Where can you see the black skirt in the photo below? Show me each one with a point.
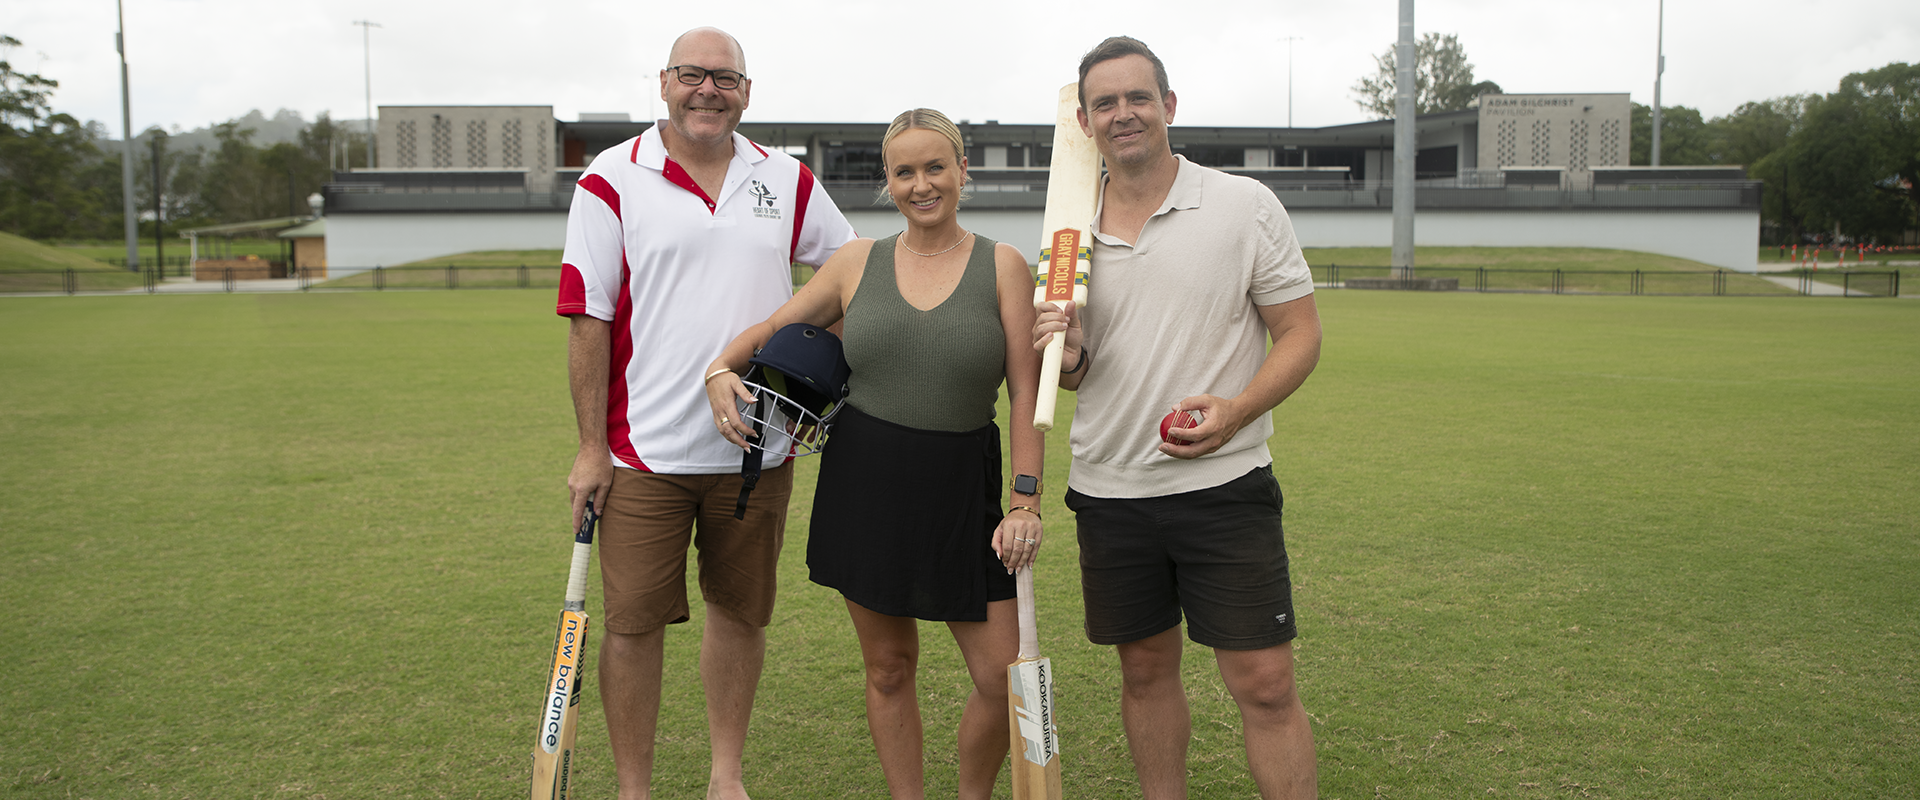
(903, 519)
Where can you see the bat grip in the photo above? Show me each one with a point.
(582, 554)
(1049, 392)
(1029, 632)
(577, 576)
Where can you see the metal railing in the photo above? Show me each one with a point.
(1716, 283)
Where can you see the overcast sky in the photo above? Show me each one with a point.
(194, 62)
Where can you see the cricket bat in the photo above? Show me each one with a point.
(1036, 742)
(1073, 193)
(560, 709)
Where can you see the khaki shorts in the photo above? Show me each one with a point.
(644, 533)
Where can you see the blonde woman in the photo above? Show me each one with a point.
(907, 517)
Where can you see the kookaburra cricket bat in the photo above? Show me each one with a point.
(560, 708)
(1036, 742)
(1073, 193)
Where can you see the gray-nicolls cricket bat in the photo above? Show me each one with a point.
(560, 708)
(1036, 741)
(1073, 193)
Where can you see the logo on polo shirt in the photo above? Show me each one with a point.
(763, 201)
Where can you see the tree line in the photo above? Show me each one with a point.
(1844, 164)
(1840, 165)
(61, 178)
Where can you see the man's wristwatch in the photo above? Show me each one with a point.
(1026, 484)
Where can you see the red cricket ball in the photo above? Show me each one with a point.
(1179, 419)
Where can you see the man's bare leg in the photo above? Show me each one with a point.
(630, 666)
(1153, 708)
(731, 655)
(1279, 734)
(890, 649)
(988, 648)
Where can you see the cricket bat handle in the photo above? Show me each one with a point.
(1043, 402)
(582, 555)
(1029, 632)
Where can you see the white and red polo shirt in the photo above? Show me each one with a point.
(680, 274)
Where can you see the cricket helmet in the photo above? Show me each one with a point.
(798, 380)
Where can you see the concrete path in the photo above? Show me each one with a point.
(1816, 288)
(190, 286)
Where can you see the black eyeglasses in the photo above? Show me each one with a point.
(722, 78)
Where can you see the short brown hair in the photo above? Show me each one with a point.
(1120, 47)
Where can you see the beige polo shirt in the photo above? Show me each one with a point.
(1172, 316)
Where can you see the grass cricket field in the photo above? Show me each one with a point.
(308, 546)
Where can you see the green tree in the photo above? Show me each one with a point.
(1853, 165)
(1443, 79)
(240, 181)
(1685, 139)
(1756, 130)
(50, 182)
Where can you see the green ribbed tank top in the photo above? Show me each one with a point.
(939, 369)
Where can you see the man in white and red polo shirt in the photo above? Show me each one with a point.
(677, 241)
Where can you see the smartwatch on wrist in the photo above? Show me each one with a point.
(1026, 484)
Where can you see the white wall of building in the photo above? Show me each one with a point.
(359, 242)
(1574, 131)
(1726, 239)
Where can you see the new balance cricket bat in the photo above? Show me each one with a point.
(560, 711)
(1073, 193)
(1036, 742)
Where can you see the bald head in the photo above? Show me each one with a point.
(706, 38)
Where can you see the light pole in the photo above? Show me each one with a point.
(159, 245)
(366, 49)
(1290, 40)
(126, 150)
(1659, 67)
(1406, 145)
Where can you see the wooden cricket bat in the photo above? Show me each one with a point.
(1073, 193)
(560, 709)
(1036, 742)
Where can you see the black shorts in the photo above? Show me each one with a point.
(1218, 554)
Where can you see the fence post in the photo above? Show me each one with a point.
(1559, 280)
(453, 280)
(379, 278)
(523, 276)
(229, 280)
(69, 282)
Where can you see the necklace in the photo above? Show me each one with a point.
(963, 237)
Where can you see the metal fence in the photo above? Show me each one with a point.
(181, 265)
(1716, 283)
(1719, 283)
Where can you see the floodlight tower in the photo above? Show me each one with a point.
(1290, 40)
(126, 143)
(1659, 68)
(1406, 143)
(366, 50)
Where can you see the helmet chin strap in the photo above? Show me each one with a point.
(750, 463)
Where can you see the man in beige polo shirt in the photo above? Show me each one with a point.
(1193, 270)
